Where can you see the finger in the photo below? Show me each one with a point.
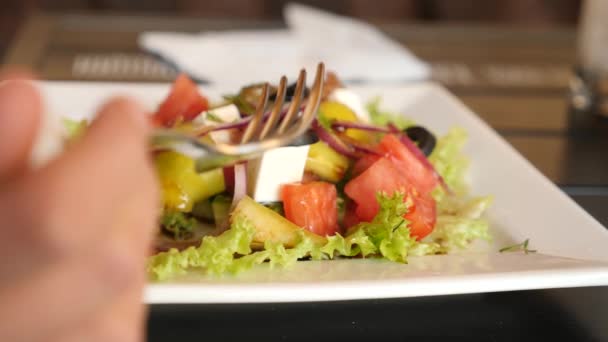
(137, 219)
(80, 191)
(123, 320)
(20, 115)
(57, 297)
(76, 200)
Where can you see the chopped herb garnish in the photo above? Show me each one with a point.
(518, 247)
(276, 207)
(242, 105)
(213, 117)
(398, 225)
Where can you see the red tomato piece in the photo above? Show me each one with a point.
(350, 215)
(385, 176)
(364, 163)
(382, 176)
(184, 102)
(422, 215)
(312, 206)
(229, 178)
(420, 176)
(309, 177)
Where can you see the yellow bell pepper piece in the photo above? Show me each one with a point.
(336, 111)
(181, 185)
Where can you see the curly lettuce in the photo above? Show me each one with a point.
(459, 222)
(382, 117)
(387, 236)
(178, 223)
(450, 162)
(216, 254)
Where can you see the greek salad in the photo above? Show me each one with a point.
(362, 183)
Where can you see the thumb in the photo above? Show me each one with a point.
(20, 113)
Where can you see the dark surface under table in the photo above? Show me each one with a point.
(542, 315)
(516, 80)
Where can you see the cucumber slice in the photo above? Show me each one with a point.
(326, 163)
(221, 209)
(269, 225)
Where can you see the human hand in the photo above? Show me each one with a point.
(75, 233)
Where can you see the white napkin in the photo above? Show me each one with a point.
(355, 50)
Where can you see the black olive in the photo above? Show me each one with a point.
(289, 92)
(307, 138)
(423, 138)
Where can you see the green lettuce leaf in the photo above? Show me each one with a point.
(387, 236)
(425, 248)
(460, 224)
(229, 252)
(453, 232)
(382, 118)
(459, 219)
(357, 243)
(178, 223)
(215, 254)
(450, 162)
(388, 231)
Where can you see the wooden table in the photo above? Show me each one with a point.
(516, 80)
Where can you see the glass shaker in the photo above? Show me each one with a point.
(589, 86)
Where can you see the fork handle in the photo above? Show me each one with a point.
(205, 158)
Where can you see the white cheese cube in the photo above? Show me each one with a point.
(276, 167)
(217, 116)
(352, 101)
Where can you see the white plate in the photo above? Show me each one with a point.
(572, 246)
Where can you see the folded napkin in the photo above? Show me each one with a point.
(355, 50)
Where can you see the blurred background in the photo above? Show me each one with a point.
(511, 61)
(533, 13)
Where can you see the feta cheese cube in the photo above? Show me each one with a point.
(276, 167)
(352, 101)
(224, 114)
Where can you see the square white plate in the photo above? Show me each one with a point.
(572, 246)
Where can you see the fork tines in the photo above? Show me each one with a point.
(290, 125)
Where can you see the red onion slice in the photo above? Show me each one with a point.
(359, 146)
(240, 183)
(410, 145)
(333, 141)
(231, 125)
(344, 125)
(413, 148)
(240, 123)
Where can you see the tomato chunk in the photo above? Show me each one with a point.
(386, 176)
(184, 102)
(364, 163)
(421, 177)
(350, 215)
(312, 206)
(382, 176)
(422, 215)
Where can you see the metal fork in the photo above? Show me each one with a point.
(261, 133)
